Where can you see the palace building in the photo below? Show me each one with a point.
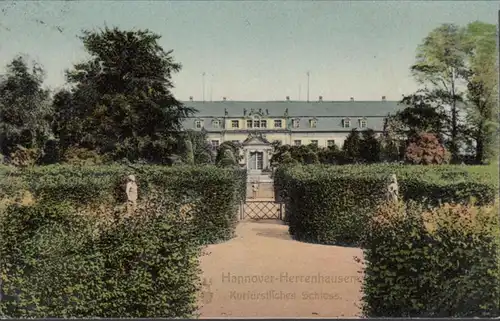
(256, 124)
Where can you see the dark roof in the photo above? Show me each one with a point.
(296, 108)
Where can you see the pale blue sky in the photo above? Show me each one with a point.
(251, 50)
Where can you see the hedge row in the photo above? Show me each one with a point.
(430, 185)
(439, 263)
(332, 204)
(219, 190)
(57, 264)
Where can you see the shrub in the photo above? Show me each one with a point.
(219, 188)
(425, 149)
(189, 154)
(429, 185)
(56, 264)
(323, 207)
(439, 263)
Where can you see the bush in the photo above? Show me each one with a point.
(219, 189)
(56, 264)
(327, 208)
(425, 149)
(439, 263)
(428, 185)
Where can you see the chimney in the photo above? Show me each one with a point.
(223, 98)
(352, 98)
(383, 98)
(287, 98)
(190, 98)
(320, 98)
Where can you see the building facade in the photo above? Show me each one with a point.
(256, 124)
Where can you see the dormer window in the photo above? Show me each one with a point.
(198, 124)
(215, 124)
(313, 123)
(295, 123)
(346, 123)
(362, 123)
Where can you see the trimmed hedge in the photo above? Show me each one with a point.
(443, 263)
(333, 204)
(331, 209)
(429, 185)
(55, 263)
(218, 189)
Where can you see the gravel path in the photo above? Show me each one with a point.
(264, 273)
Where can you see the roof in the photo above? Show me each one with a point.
(295, 108)
(329, 114)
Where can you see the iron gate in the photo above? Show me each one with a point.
(261, 210)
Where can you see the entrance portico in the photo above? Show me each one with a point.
(257, 151)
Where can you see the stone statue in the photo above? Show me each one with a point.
(244, 111)
(225, 112)
(131, 190)
(267, 112)
(393, 189)
(286, 112)
(255, 189)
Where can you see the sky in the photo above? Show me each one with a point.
(250, 50)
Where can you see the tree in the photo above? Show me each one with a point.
(482, 89)
(202, 149)
(123, 97)
(370, 146)
(425, 149)
(228, 145)
(25, 111)
(440, 65)
(352, 147)
(189, 154)
(227, 158)
(392, 138)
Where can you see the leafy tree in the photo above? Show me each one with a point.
(370, 146)
(352, 146)
(189, 154)
(440, 64)
(227, 159)
(425, 149)
(391, 139)
(202, 149)
(122, 96)
(228, 145)
(482, 89)
(25, 111)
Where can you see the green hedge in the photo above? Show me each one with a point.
(331, 204)
(218, 189)
(428, 185)
(55, 264)
(451, 270)
(327, 208)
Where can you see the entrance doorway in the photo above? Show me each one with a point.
(256, 161)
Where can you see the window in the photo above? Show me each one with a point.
(277, 123)
(235, 124)
(297, 142)
(249, 123)
(197, 124)
(263, 123)
(256, 124)
(313, 123)
(215, 124)
(314, 142)
(346, 123)
(362, 123)
(330, 143)
(295, 123)
(215, 143)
